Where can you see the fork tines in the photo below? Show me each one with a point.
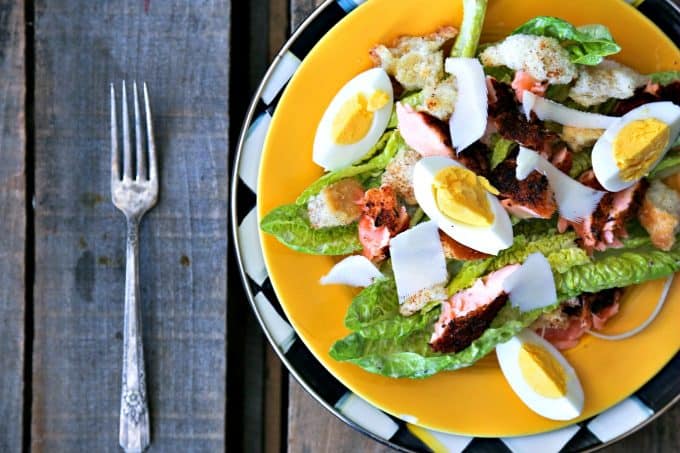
(142, 166)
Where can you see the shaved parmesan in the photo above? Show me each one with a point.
(545, 109)
(418, 260)
(469, 118)
(531, 286)
(574, 200)
(355, 270)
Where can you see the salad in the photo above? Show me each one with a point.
(488, 197)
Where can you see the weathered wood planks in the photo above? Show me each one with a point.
(181, 49)
(12, 222)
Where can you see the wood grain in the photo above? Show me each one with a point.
(181, 49)
(12, 222)
(311, 428)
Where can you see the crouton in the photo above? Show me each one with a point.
(543, 58)
(416, 302)
(609, 79)
(439, 99)
(415, 61)
(399, 174)
(660, 214)
(579, 138)
(337, 204)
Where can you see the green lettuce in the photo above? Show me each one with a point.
(664, 77)
(290, 225)
(500, 73)
(470, 29)
(581, 162)
(669, 165)
(411, 356)
(374, 313)
(500, 149)
(587, 45)
(617, 270)
(546, 243)
(387, 147)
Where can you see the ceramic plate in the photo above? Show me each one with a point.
(452, 410)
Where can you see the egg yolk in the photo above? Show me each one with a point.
(638, 145)
(461, 195)
(355, 117)
(542, 371)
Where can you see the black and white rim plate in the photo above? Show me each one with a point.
(604, 429)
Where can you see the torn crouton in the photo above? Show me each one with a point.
(337, 204)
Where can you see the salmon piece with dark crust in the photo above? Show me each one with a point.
(528, 198)
(468, 313)
(605, 227)
(513, 125)
(382, 217)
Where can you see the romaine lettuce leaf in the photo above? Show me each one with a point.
(587, 45)
(558, 92)
(412, 357)
(290, 225)
(521, 248)
(374, 313)
(470, 29)
(387, 147)
(617, 270)
(664, 77)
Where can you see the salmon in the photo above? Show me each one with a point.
(605, 227)
(588, 311)
(423, 132)
(524, 82)
(383, 217)
(468, 313)
(513, 124)
(531, 197)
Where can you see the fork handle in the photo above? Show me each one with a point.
(134, 411)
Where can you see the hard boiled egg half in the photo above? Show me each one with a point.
(631, 147)
(541, 376)
(462, 204)
(354, 120)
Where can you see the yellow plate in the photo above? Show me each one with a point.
(477, 400)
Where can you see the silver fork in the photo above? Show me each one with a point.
(134, 192)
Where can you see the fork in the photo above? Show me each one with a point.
(134, 192)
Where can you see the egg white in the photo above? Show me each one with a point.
(566, 407)
(491, 239)
(334, 156)
(604, 164)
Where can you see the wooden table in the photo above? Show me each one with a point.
(62, 248)
(62, 241)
